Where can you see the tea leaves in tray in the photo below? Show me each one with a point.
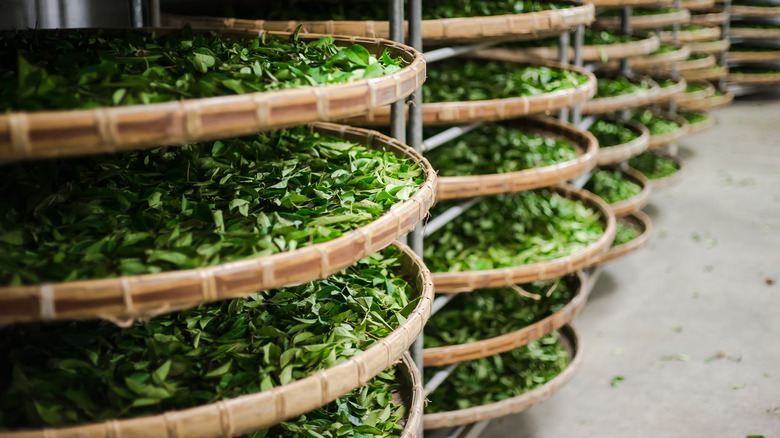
(694, 86)
(510, 230)
(656, 123)
(462, 80)
(71, 373)
(367, 412)
(193, 206)
(639, 12)
(621, 85)
(653, 166)
(488, 313)
(495, 148)
(612, 133)
(664, 48)
(499, 377)
(612, 186)
(693, 117)
(626, 232)
(71, 70)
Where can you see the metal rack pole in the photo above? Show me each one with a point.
(563, 58)
(625, 25)
(724, 35)
(579, 39)
(397, 109)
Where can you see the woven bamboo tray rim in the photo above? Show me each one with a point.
(590, 53)
(681, 54)
(670, 180)
(707, 74)
(696, 128)
(437, 31)
(755, 11)
(516, 404)
(450, 113)
(252, 412)
(466, 281)
(452, 187)
(47, 134)
(754, 78)
(745, 57)
(622, 152)
(647, 21)
(748, 32)
(645, 225)
(412, 395)
(696, 95)
(661, 140)
(142, 296)
(710, 47)
(710, 18)
(611, 4)
(697, 5)
(635, 203)
(708, 103)
(696, 64)
(669, 93)
(688, 36)
(624, 101)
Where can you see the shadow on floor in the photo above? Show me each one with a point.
(604, 287)
(685, 152)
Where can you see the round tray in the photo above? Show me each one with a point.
(696, 95)
(695, 128)
(710, 18)
(661, 140)
(451, 187)
(636, 203)
(696, 5)
(515, 404)
(669, 93)
(707, 74)
(439, 356)
(754, 78)
(687, 36)
(622, 152)
(465, 281)
(646, 21)
(696, 64)
(590, 53)
(434, 32)
(710, 47)
(681, 54)
(642, 221)
(623, 101)
(142, 296)
(748, 32)
(450, 113)
(671, 179)
(49, 134)
(747, 57)
(755, 11)
(611, 4)
(251, 412)
(708, 103)
(411, 395)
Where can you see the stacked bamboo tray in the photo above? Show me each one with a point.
(755, 54)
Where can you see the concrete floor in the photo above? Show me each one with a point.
(692, 321)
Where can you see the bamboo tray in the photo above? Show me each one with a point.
(530, 25)
(49, 134)
(712, 17)
(590, 53)
(141, 296)
(620, 3)
(695, 128)
(450, 113)
(696, 64)
(661, 140)
(624, 101)
(697, 5)
(707, 74)
(747, 57)
(710, 47)
(755, 11)
(252, 412)
(451, 187)
(709, 102)
(466, 281)
(749, 32)
(622, 152)
(670, 180)
(411, 395)
(515, 404)
(688, 36)
(754, 78)
(641, 221)
(636, 203)
(646, 21)
(439, 356)
(696, 95)
(681, 54)
(669, 93)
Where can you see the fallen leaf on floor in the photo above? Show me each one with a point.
(683, 357)
(753, 435)
(740, 386)
(769, 281)
(617, 351)
(616, 380)
(677, 329)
